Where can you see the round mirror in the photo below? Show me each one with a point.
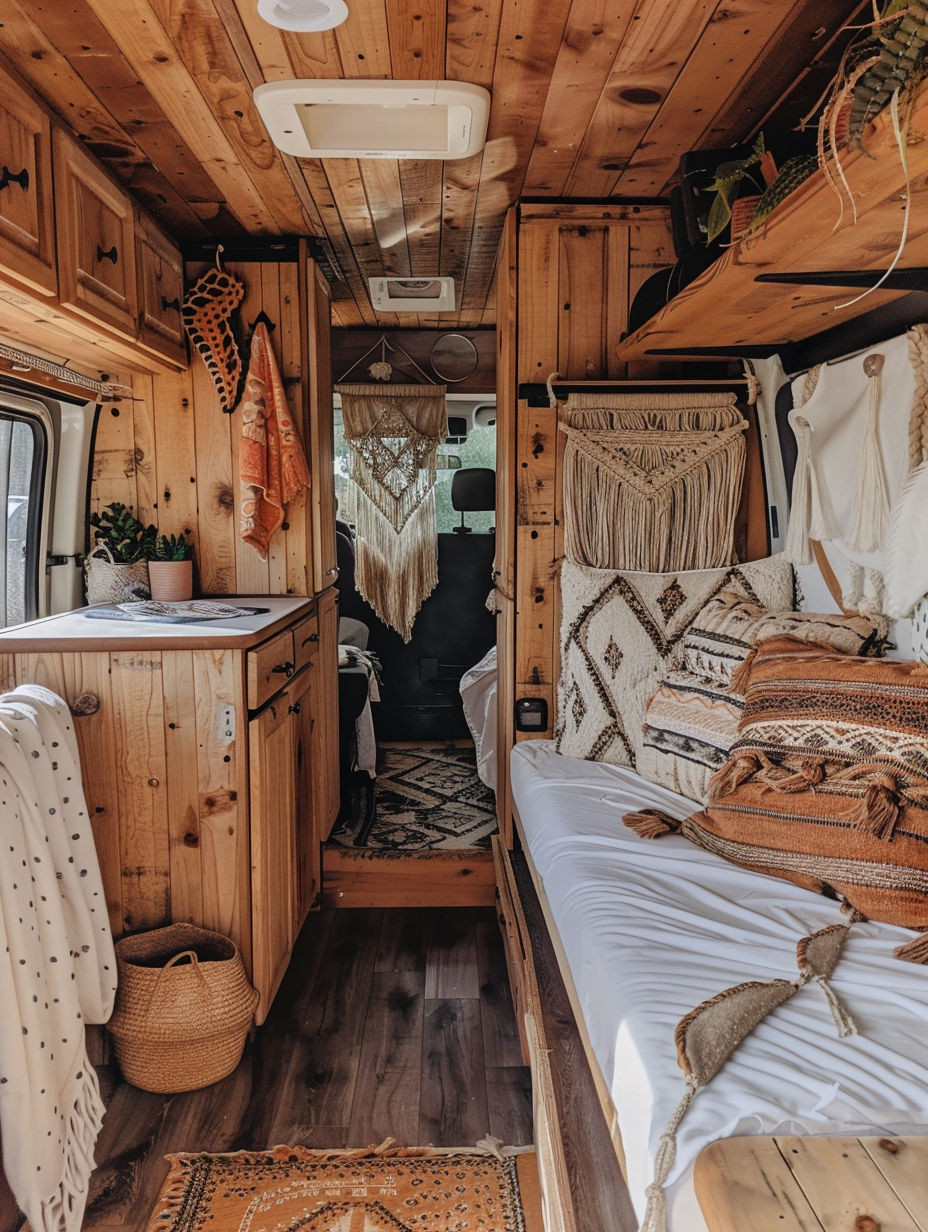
(453, 358)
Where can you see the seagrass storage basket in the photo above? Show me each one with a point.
(108, 581)
(183, 1008)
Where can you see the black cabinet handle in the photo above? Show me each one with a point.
(313, 637)
(21, 178)
(112, 255)
(170, 303)
(283, 669)
(295, 708)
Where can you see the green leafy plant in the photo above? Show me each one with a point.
(728, 177)
(170, 548)
(117, 528)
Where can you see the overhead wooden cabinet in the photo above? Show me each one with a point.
(96, 239)
(207, 800)
(27, 224)
(160, 290)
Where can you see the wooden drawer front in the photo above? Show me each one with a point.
(270, 666)
(161, 291)
(305, 641)
(27, 224)
(96, 240)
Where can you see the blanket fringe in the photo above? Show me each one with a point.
(63, 1211)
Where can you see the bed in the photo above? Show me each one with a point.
(646, 931)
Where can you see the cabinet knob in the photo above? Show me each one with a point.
(8, 177)
(283, 669)
(295, 708)
(170, 303)
(112, 255)
(85, 703)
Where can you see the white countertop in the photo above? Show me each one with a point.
(77, 630)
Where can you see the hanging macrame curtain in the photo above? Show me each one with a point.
(393, 434)
(652, 481)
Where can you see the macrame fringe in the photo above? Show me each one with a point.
(811, 515)
(870, 517)
(651, 823)
(864, 590)
(655, 1215)
(652, 483)
(63, 1211)
(395, 573)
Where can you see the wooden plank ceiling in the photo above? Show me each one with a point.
(590, 98)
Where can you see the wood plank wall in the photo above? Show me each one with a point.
(577, 271)
(173, 455)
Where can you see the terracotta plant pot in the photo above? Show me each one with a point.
(741, 214)
(171, 580)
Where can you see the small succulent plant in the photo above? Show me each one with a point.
(170, 548)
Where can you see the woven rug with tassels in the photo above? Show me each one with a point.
(378, 1189)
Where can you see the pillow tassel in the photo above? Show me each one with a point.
(737, 770)
(741, 676)
(879, 810)
(808, 773)
(651, 823)
(914, 951)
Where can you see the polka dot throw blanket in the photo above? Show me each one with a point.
(57, 965)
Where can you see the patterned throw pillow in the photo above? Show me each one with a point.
(827, 784)
(690, 726)
(622, 632)
(729, 625)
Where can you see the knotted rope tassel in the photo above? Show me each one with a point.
(655, 1215)
(870, 518)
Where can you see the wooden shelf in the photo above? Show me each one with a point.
(726, 307)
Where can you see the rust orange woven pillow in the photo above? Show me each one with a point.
(827, 784)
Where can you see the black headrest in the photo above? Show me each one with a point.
(473, 490)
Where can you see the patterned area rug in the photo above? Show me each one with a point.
(427, 799)
(395, 1190)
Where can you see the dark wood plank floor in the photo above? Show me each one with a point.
(389, 1023)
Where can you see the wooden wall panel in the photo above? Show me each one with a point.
(173, 455)
(577, 269)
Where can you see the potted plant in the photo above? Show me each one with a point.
(116, 569)
(170, 568)
(728, 185)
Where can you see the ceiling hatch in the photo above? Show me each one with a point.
(412, 294)
(375, 119)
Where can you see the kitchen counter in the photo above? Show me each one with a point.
(77, 631)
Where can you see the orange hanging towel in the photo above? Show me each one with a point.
(271, 460)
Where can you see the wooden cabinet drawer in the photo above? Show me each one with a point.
(96, 239)
(305, 640)
(160, 290)
(27, 225)
(270, 666)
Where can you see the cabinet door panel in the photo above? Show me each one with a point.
(325, 734)
(96, 239)
(274, 869)
(161, 291)
(308, 836)
(27, 226)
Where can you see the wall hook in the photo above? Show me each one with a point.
(262, 319)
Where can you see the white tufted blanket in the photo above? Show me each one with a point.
(57, 965)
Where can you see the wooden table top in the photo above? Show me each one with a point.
(786, 1184)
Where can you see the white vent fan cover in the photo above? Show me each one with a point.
(412, 294)
(375, 119)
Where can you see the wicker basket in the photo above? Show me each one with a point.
(109, 582)
(183, 1008)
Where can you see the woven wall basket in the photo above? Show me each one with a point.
(183, 1008)
(109, 582)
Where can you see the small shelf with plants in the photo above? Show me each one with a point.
(861, 211)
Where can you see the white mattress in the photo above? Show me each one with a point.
(652, 929)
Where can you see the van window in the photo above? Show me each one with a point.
(478, 449)
(23, 446)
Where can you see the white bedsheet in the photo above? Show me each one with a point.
(651, 929)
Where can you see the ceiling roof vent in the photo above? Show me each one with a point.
(375, 119)
(412, 294)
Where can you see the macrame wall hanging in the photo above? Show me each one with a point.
(861, 480)
(652, 481)
(393, 433)
(206, 314)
